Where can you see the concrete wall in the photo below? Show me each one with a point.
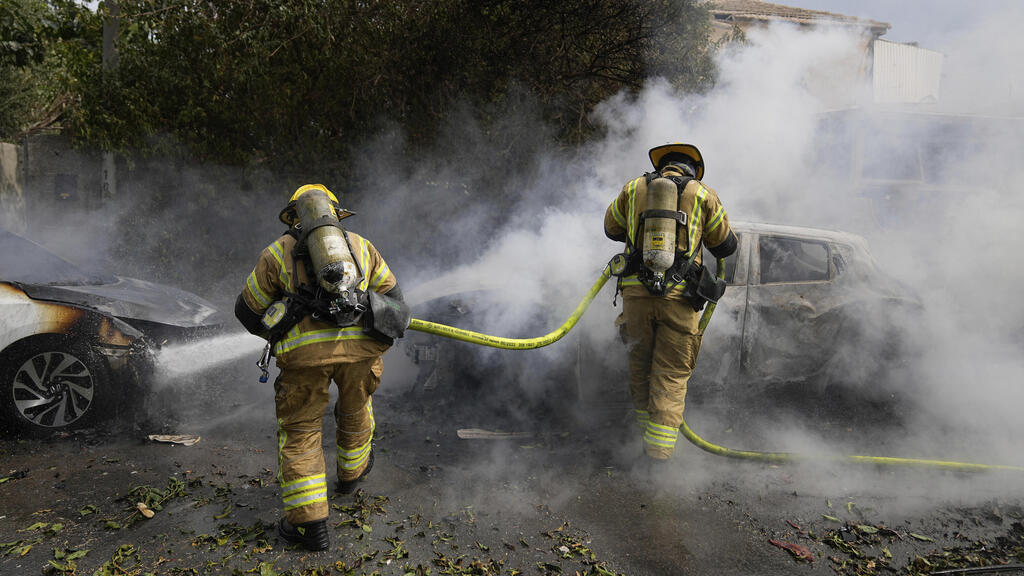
(12, 197)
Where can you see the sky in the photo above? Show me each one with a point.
(930, 23)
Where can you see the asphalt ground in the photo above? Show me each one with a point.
(568, 496)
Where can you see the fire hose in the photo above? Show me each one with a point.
(772, 457)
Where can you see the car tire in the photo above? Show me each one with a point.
(50, 385)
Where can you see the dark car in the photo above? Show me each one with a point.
(74, 343)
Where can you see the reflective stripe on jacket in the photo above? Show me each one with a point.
(314, 342)
(707, 223)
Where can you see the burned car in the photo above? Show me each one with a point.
(803, 305)
(75, 343)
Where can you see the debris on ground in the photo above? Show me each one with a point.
(183, 439)
(481, 434)
(799, 553)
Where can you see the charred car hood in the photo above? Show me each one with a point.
(133, 299)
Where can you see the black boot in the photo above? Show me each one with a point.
(312, 535)
(349, 486)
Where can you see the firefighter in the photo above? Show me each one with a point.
(664, 217)
(315, 339)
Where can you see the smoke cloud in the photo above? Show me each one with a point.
(499, 205)
(950, 239)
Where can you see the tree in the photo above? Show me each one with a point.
(299, 83)
(39, 40)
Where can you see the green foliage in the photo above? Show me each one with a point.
(41, 43)
(298, 84)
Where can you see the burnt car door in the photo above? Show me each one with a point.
(789, 328)
(720, 352)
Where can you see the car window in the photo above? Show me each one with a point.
(22, 260)
(730, 262)
(792, 260)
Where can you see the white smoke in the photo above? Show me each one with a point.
(758, 132)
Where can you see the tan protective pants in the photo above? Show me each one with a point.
(301, 397)
(662, 341)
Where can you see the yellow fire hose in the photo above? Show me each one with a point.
(773, 457)
(514, 343)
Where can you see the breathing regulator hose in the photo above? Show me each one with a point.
(771, 457)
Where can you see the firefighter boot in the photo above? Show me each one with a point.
(312, 535)
(349, 486)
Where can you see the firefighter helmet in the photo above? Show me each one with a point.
(288, 215)
(660, 154)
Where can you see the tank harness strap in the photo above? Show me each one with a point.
(300, 234)
(676, 215)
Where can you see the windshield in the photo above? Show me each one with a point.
(22, 260)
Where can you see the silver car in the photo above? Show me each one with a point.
(803, 305)
(75, 344)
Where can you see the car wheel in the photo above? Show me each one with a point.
(50, 386)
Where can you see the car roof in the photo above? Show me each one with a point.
(800, 232)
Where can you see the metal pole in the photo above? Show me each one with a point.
(111, 30)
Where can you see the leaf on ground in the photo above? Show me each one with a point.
(88, 509)
(832, 518)
(799, 553)
(224, 514)
(867, 528)
(921, 537)
(144, 510)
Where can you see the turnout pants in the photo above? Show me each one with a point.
(662, 342)
(301, 396)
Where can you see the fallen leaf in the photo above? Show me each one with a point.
(832, 518)
(867, 529)
(183, 439)
(145, 510)
(920, 537)
(799, 553)
(224, 513)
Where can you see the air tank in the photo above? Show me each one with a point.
(333, 262)
(659, 243)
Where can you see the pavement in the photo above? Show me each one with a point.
(569, 495)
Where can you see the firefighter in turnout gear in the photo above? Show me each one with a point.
(313, 295)
(664, 217)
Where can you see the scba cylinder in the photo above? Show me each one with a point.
(333, 262)
(659, 245)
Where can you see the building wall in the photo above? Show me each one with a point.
(12, 198)
(904, 73)
(58, 179)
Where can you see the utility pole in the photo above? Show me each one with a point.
(111, 30)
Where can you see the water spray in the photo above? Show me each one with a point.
(182, 360)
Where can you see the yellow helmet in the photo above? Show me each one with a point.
(288, 215)
(658, 153)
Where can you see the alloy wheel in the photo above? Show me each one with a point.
(53, 389)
